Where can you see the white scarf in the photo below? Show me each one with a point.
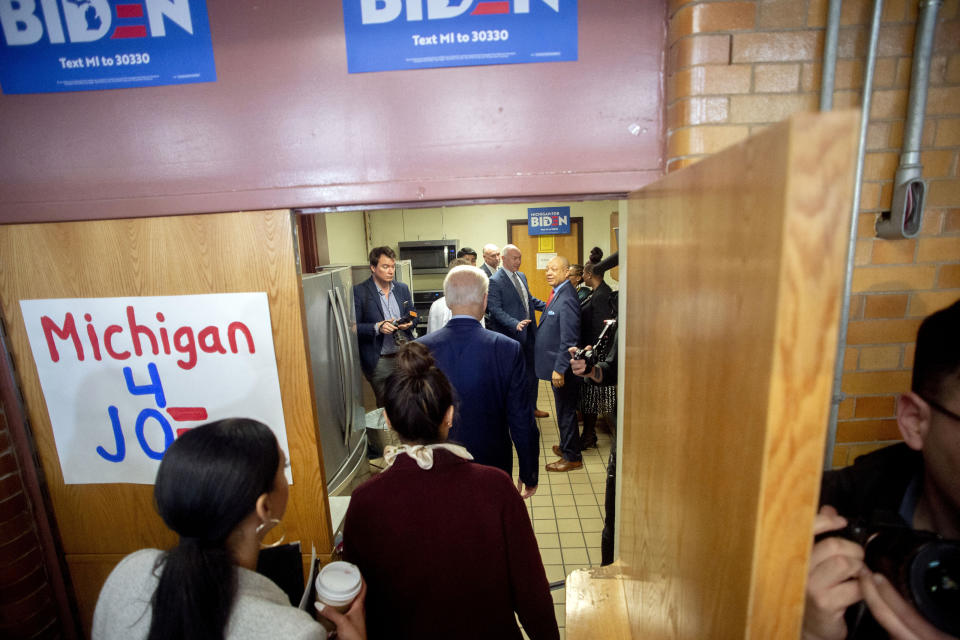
(423, 453)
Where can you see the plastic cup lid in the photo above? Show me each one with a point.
(338, 583)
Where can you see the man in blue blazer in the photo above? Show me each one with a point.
(558, 331)
(380, 302)
(511, 312)
(488, 375)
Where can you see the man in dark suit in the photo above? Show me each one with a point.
(558, 331)
(510, 312)
(491, 259)
(492, 406)
(380, 303)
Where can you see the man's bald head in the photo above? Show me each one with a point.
(511, 257)
(491, 255)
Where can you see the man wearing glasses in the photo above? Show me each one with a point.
(915, 483)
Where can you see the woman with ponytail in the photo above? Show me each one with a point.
(445, 545)
(220, 487)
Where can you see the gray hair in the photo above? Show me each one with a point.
(465, 285)
(509, 247)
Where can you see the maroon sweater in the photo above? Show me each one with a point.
(447, 552)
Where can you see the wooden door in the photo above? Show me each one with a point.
(569, 245)
(733, 270)
(217, 253)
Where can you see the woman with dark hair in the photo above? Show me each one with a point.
(445, 545)
(221, 488)
(575, 276)
(597, 307)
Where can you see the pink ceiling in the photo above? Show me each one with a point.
(285, 125)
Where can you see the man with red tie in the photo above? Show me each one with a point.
(559, 330)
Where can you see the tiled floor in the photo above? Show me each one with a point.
(567, 510)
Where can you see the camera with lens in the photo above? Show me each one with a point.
(923, 567)
(411, 317)
(594, 354)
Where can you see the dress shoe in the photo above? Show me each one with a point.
(540, 414)
(556, 450)
(564, 465)
(588, 444)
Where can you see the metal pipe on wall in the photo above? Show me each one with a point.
(909, 189)
(830, 55)
(851, 248)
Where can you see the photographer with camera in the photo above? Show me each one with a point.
(905, 584)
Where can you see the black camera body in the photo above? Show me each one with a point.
(923, 567)
(594, 354)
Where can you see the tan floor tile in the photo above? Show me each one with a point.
(548, 540)
(581, 488)
(561, 489)
(563, 500)
(551, 556)
(595, 555)
(554, 572)
(543, 490)
(572, 539)
(563, 632)
(561, 611)
(566, 525)
(545, 526)
(591, 525)
(575, 559)
(578, 477)
(589, 512)
(585, 499)
(566, 511)
(541, 513)
(540, 500)
(592, 539)
(559, 595)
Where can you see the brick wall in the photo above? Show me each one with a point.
(733, 67)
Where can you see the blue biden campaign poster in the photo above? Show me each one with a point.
(76, 45)
(384, 35)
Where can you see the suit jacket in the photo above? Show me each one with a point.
(486, 269)
(366, 302)
(489, 376)
(505, 307)
(559, 329)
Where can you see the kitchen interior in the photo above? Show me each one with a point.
(425, 239)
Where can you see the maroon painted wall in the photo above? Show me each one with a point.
(285, 125)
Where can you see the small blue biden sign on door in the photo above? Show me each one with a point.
(542, 221)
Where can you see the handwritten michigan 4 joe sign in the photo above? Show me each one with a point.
(124, 377)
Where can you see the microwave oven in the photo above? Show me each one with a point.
(428, 256)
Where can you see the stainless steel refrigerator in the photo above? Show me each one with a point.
(335, 363)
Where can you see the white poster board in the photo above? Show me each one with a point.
(123, 377)
(543, 259)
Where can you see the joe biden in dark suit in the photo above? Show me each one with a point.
(488, 374)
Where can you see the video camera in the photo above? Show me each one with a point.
(923, 567)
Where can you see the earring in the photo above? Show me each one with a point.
(262, 528)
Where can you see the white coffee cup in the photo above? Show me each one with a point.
(338, 584)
